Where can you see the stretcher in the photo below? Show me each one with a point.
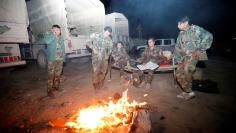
(132, 67)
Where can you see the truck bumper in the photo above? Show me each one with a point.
(10, 64)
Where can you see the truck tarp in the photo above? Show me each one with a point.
(13, 21)
(83, 15)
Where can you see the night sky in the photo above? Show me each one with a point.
(158, 18)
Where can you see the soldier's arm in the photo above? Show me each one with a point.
(203, 38)
(179, 51)
(143, 57)
(49, 37)
(157, 52)
(126, 55)
(178, 43)
(159, 56)
(63, 48)
(90, 45)
(89, 41)
(161, 52)
(110, 46)
(206, 40)
(177, 48)
(109, 49)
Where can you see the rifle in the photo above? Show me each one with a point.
(110, 67)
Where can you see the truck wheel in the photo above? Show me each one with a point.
(42, 59)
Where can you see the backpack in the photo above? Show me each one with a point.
(207, 86)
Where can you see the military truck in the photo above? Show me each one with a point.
(120, 28)
(77, 19)
(13, 32)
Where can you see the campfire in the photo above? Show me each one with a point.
(112, 116)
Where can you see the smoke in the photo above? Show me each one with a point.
(158, 18)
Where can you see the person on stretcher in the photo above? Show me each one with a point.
(151, 53)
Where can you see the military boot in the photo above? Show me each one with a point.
(57, 88)
(96, 86)
(142, 85)
(51, 94)
(148, 86)
(122, 79)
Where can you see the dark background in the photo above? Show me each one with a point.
(158, 18)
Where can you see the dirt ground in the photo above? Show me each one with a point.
(24, 110)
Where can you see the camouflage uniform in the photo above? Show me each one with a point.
(154, 56)
(56, 56)
(192, 39)
(103, 46)
(120, 57)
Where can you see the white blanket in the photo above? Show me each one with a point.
(150, 65)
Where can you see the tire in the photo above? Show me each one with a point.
(42, 59)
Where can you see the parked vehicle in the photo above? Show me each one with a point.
(13, 32)
(120, 28)
(77, 18)
(22, 32)
(167, 44)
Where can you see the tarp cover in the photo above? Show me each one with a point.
(13, 11)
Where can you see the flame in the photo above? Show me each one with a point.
(106, 116)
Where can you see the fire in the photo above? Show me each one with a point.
(106, 116)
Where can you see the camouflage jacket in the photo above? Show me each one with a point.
(102, 45)
(54, 44)
(152, 55)
(120, 55)
(191, 39)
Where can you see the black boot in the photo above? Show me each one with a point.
(58, 89)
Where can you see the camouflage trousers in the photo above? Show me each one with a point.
(54, 74)
(99, 71)
(184, 73)
(140, 76)
(149, 76)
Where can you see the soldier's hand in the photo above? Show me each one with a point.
(139, 60)
(160, 53)
(183, 53)
(196, 54)
(95, 51)
(107, 58)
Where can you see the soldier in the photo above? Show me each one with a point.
(154, 54)
(56, 56)
(191, 46)
(120, 57)
(101, 45)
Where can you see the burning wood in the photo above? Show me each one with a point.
(121, 116)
